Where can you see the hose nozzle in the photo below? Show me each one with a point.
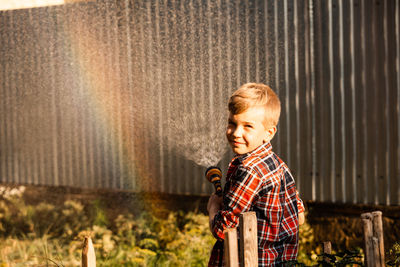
(213, 175)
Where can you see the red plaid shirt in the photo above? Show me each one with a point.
(260, 181)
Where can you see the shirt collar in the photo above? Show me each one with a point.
(261, 150)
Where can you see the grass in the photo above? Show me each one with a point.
(49, 235)
(52, 235)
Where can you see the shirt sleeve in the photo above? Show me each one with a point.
(239, 195)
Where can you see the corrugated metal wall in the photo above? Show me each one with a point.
(356, 101)
(132, 94)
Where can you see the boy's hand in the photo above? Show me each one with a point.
(213, 206)
(301, 218)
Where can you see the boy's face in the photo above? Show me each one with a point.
(246, 131)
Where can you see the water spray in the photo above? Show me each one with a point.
(213, 175)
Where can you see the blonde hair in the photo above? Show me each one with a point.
(253, 95)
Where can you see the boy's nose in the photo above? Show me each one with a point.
(237, 132)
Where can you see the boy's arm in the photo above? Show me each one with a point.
(243, 188)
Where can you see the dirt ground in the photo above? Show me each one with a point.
(338, 223)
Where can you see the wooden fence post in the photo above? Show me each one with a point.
(373, 238)
(369, 247)
(327, 249)
(248, 239)
(88, 254)
(378, 233)
(231, 256)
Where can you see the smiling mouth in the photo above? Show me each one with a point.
(236, 143)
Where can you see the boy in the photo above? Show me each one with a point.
(257, 180)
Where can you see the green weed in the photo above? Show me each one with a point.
(52, 235)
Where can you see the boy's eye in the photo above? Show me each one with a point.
(248, 126)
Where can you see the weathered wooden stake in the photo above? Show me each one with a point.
(231, 256)
(327, 249)
(248, 239)
(375, 244)
(88, 254)
(368, 233)
(373, 238)
(378, 233)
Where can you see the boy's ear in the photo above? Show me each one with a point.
(271, 131)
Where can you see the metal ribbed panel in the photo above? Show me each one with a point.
(356, 97)
(130, 94)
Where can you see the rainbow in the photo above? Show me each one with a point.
(108, 94)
